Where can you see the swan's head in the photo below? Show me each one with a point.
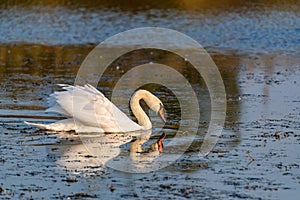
(159, 109)
(161, 113)
(151, 100)
(157, 106)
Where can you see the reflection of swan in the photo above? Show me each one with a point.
(93, 112)
(109, 149)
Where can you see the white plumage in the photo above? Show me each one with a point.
(88, 110)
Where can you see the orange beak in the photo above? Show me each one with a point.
(161, 114)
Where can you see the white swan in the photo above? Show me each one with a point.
(93, 112)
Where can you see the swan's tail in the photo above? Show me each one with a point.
(41, 126)
(62, 125)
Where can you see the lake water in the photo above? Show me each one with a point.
(256, 48)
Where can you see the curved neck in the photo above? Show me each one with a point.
(139, 113)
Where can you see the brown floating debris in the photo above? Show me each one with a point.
(165, 186)
(219, 151)
(70, 180)
(54, 149)
(82, 195)
(112, 188)
(277, 135)
(250, 156)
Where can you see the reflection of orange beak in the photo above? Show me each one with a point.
(161, 114)
(160, 142)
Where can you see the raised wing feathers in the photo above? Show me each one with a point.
(91, 108)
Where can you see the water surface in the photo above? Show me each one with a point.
(256, 48)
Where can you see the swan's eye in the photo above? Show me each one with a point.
(161, 106)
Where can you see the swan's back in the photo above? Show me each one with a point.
(89, 107)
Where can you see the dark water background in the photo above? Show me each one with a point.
(255, 45)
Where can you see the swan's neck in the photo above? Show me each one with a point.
(139, 113)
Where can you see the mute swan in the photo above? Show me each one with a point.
(93, 112)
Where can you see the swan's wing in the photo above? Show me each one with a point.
(54, 106)
(91, 108)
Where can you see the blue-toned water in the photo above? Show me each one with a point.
(255, 45)
(256, 27)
